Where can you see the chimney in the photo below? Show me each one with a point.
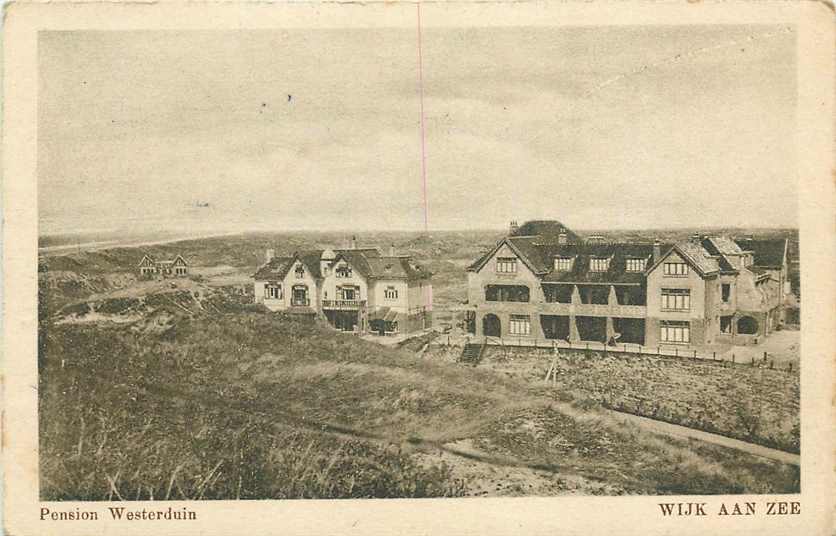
(657, 251)
(269, 254)
(392, 250)
(696, 238)
(514, 227)
(353, 244)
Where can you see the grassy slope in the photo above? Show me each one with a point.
(230, 405)
(753, 404)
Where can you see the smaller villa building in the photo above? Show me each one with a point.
(354, 289)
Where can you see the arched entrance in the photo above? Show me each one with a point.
(746, 325)
(491, 326)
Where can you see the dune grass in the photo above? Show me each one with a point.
(258, 405)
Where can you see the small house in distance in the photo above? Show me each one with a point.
(177, 267)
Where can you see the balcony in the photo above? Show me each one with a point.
(343, 305)
(594, 309)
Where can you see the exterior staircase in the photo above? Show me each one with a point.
(472, 353)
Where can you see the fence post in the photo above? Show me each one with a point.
(764, 357)
(676, 351)
(658, 350)
(714, 356)
(732, 358)
(771, 364)
(790, 364)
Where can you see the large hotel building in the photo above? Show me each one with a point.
(542, 281)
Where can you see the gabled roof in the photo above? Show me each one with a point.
(768, 253)
(356, 259)
(311, 260)
(719, 247)
(146, 256)
(538, 253)
(545, 228)
(616, 272)
(695, 255)
(276, 268)
(379, 267)
(396, 268)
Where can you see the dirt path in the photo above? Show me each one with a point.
(690, 433)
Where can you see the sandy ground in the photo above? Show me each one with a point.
(781, 346)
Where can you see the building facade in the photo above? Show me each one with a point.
(177, 267)
(551, 285)
(354, 289)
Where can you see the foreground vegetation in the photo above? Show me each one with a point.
(755, 404)
(250, 404)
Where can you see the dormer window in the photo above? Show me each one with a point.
(300, 271)
(599, 265)
(343, 271)
(636, 265)
(563, 264)
(506, 265)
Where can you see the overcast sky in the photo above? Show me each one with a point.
(622, 127)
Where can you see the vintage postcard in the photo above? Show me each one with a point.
(418, 268)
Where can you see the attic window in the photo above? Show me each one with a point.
(300, 271)
(343, 271)
(675, 269)
(563, 264)
(506, 265)
(635, 265)
(599, 265)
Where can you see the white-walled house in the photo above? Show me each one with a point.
(354, 289)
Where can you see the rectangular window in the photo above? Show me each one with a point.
(273, 292)
(349, 294)
(599, 265)
(676, 269)
(506, 266)
(343, 271)
(674, 331)
(635, 265)
(391, 293)
(520, 325)
(676, 299)
(563, 264)
(726, 292)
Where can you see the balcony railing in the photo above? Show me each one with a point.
(346, 305)
(594, 309)
(300, 302)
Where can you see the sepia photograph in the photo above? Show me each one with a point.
(420, 258)
(318, 264)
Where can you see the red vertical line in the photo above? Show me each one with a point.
(423, 134)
